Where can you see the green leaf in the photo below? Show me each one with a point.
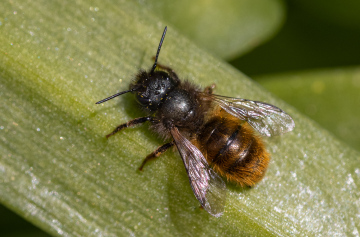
(329, 96)
(59, 172)
(227, 28)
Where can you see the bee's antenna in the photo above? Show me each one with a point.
(152, 70)
(158, 51)
(116, 95)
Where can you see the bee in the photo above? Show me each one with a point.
(215, 135)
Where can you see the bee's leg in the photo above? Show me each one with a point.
(131, 123)
(209, 89)
(156, 153)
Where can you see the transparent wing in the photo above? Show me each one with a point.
(207, 185)
(267, 119)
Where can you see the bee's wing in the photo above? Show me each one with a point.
(267, 119)
(207, 186)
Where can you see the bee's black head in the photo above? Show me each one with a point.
(152, 88)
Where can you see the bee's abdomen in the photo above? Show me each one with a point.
(233, 150)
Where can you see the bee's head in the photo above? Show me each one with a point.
(151, 88)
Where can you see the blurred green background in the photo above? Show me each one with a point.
(312, 49)
(317, 55)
